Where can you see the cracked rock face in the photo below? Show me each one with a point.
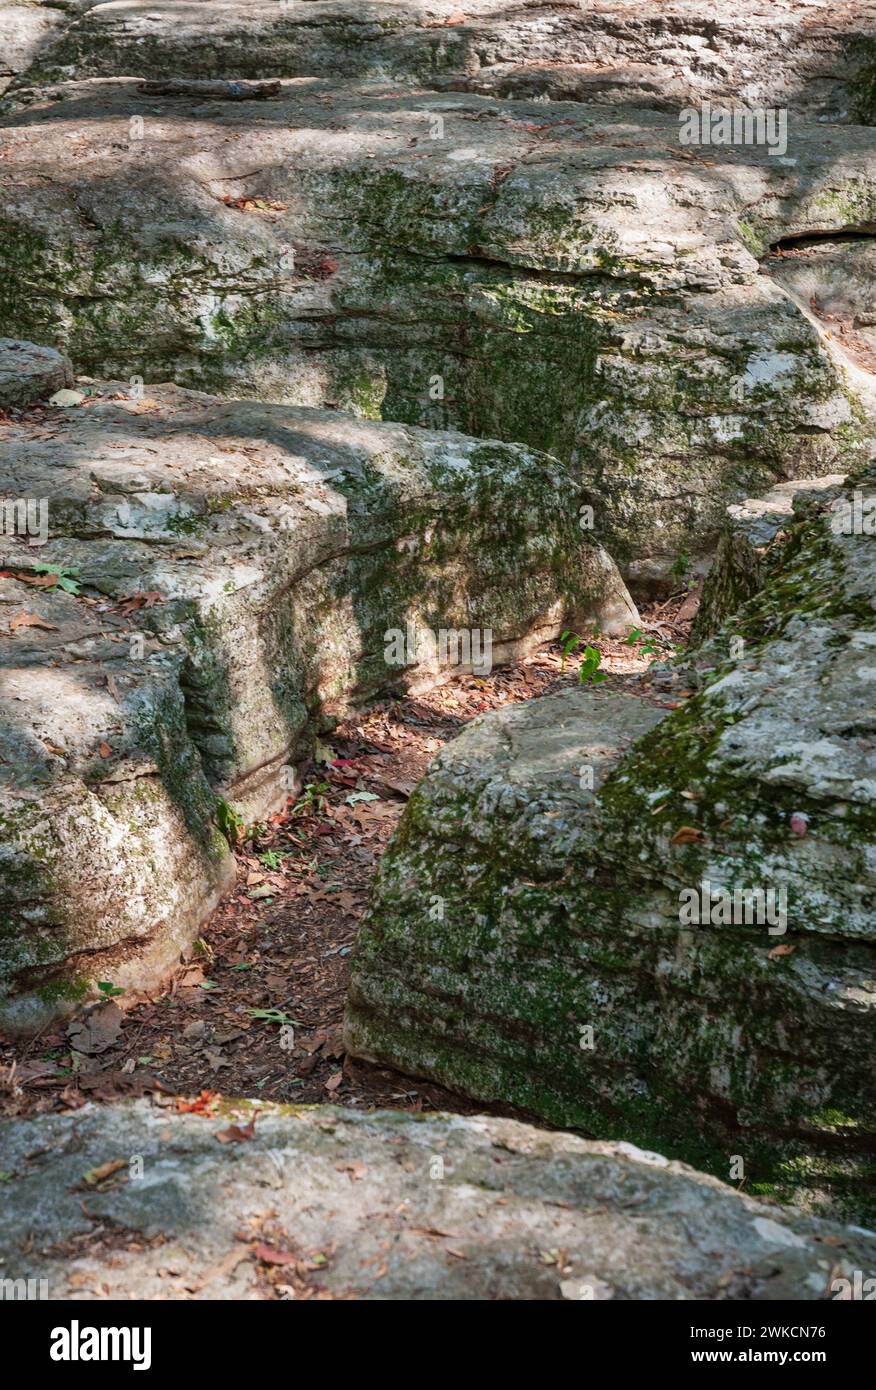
(566, 276)
(525, 939)
(816, 55)
(395, 1206)
(228, 575)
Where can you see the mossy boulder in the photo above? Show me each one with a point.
(565, 278)
(530, 937)
(215, 580)
(751, 544)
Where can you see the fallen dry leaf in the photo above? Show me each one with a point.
(109, 1085)
(234, 1134)
(687, 835)
(147, 599)
(24, 619)
(227, 1265)
(39, 581)
(269, 1256)
(97, 1176)
(97, 1030)
(204, 1105)
(356, 1170)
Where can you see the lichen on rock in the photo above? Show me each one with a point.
(235, 572)
(523, 278)
(526, 939)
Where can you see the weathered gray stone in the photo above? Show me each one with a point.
(516, 907)
(837, 279)
(25, 30)
(571, 278)
(746, 549)
(393, 1206)
(30, 373)
(815, 56)
(268, 554)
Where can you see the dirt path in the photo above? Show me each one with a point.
(257, 1010)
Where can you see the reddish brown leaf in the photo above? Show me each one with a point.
(234, 1134)
(97, 1176)
(144, 599)
(204, 1105)
(687, 835)
(778, 951)
(24, 619)
(269, 1256)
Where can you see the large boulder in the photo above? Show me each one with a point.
(575, 929)
(572, 278)
(190, 588)
(324, 1202)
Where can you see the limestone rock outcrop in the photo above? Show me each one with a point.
(567, 276)
(392, 1206)
(532, 935)
(817, 56)
(189, 588)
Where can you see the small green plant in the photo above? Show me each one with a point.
(184, 523)
(569, 641)
(272, 1016)
(273, 858)
(311, 799)
(649, 646)
(591, 658)
(681, 566)
(108, 989)
(589, 668)
(230, 822)
(63, 576)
